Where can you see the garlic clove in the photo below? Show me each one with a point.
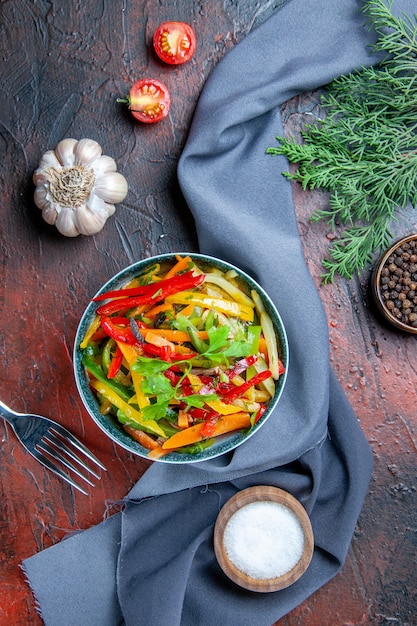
(110, 208)
(40, 177)
(65, 222)
(103, 165)
(65, 151)
(98, 206)
(87, 151)
(49, 159)
(41, 197)
(50, 214)
(87, 222)
(112, 187)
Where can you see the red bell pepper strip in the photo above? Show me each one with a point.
(241, 389)
(260, 412)
(115, 364)
(224, 388)
(119, 333)
(172, 376)
(161, 352)
(159, 292)
(199, 414)
(209, 427)
(151, 288)
(165, 353)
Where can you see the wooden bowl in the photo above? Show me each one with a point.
(378, 287)
(291, 508)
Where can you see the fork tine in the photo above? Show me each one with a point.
(54, 468)
(66, 434)
(50, 437)
(44, 446)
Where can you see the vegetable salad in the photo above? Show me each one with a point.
(181, 355)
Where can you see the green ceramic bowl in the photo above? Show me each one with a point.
(110, 426)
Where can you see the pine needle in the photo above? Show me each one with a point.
(364, 151)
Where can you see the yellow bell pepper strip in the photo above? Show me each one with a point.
(271, 344)
(94, 326)
(223, 408)
(131, 353)
(147, 294)
(150, 426)
(225, 424)
(229, 307)
(233, 291)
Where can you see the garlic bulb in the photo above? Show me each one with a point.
(77, 187)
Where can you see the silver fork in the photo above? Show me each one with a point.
(53, 446)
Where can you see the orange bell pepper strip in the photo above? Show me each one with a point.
(144, 439)
(181, 265)
(224, 424)
(183, 419)
(170, 335)
(153, 311)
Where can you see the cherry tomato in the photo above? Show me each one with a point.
(149, 100)
(174, 42)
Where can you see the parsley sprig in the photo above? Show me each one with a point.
(219, 349)
(364, 151)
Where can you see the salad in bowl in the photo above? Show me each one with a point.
(180, 357)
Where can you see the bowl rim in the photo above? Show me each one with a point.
(376, 278)
(225, 443)
(263, 493)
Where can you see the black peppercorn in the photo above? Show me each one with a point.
(398, 283)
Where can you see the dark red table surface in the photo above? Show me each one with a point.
(63, 64)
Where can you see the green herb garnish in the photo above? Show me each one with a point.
(364, 152)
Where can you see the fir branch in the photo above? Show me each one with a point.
(364, 151)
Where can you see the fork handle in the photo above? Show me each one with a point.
(6, 412)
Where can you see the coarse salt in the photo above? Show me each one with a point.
(264, 539)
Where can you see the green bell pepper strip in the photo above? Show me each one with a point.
(185, 324)
(97, 371)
